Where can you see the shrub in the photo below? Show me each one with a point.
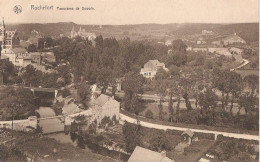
(106, 120)
(149, 114)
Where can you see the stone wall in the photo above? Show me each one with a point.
(20, 125)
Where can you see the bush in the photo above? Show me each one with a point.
(114, 119)
(106, 120)
(149, 114)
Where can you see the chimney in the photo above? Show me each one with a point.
(163, 154)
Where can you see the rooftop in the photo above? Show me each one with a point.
(101, 100)
(144, 155)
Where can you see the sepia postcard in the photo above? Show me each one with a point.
(129, 80)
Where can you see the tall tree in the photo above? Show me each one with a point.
(132, 85)
(252, 82)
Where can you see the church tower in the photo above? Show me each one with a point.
(2, 34)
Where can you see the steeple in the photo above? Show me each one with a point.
(79, 29)
(3, 23)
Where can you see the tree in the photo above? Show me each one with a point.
(235, 87)
(208, 101)
(178, 45)
(219, 81)
(248, 102)
(160, 87)
(104, 78)
(160, 142)
(84, 93)
(10, 73)
(31, 48)
(132, 85)
(132, 136)
(170, 106)
(19, 102)
(149, 114)
(64, 71)
(252, 82)
(31, 77)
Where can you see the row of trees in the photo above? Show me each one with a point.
(203, 86)
(32, 77)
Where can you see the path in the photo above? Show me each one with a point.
(165, 127)
(245, 62)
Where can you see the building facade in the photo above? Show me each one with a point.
(151, 67)
(105, 106)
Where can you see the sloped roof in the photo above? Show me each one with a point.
(144, 155)
(188, 132)
(101, 100)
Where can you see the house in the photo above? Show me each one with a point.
(188, 136)
(144, 155)
(151, 67)
(105, 106)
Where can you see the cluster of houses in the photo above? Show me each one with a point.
(17, 54)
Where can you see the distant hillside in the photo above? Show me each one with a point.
(248, 31)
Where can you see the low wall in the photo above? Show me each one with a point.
(69, 119)
(20, 125)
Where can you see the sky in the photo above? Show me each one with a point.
(120, 12)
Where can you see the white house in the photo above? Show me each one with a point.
(105, 106)
(151, 67)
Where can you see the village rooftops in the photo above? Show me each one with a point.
(102, 99)
(144, 155)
